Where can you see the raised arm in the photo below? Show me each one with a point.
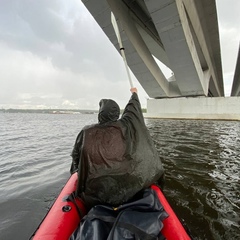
(133, 109)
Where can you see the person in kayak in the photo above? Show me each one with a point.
(115, 158)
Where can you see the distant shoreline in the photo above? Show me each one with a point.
(49, 111)
(56, 111)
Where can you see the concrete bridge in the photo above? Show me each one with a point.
(181, 34)
(236, 80)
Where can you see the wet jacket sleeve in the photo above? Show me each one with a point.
(133, 109)
(141, 149)
(76, 153)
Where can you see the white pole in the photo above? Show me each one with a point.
(116, 29)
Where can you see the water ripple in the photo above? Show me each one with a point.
(201, 159)
(202, 163)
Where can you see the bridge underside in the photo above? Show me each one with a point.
(182, 34)
(236, 79)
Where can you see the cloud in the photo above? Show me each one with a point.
(54, 29)
(229, 28)
(53, 54)
(28, 81)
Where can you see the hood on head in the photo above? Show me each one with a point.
(109, 111)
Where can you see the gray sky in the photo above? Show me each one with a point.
(53, 54)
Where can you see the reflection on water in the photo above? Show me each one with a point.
(202, 163)
(201, 159)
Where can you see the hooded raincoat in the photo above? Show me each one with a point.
(115, 158)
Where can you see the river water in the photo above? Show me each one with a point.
(201, 159)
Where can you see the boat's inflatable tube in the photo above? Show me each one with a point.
(172, 227)
(63, 217)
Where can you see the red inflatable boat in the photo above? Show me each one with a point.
(63, 217)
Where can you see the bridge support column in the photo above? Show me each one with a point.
(222, 108)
